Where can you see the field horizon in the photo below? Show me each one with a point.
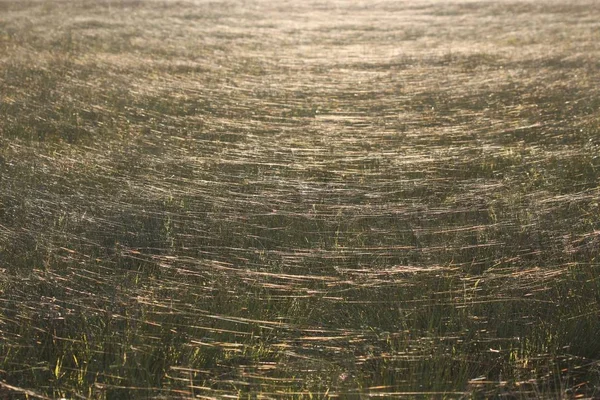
(321, 199)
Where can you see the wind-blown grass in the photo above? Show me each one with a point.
(299, 200)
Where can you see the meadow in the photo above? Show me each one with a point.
(299, 199)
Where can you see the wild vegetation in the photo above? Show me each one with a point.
(285, 199)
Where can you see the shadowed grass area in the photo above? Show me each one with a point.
(299, 200)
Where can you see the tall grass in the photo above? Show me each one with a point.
(299, 200)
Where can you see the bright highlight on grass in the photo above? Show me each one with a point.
(292, 199)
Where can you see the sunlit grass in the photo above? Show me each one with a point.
(299, 200)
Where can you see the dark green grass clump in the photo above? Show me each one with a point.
(285, 200)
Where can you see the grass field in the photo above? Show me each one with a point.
(299, 199)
